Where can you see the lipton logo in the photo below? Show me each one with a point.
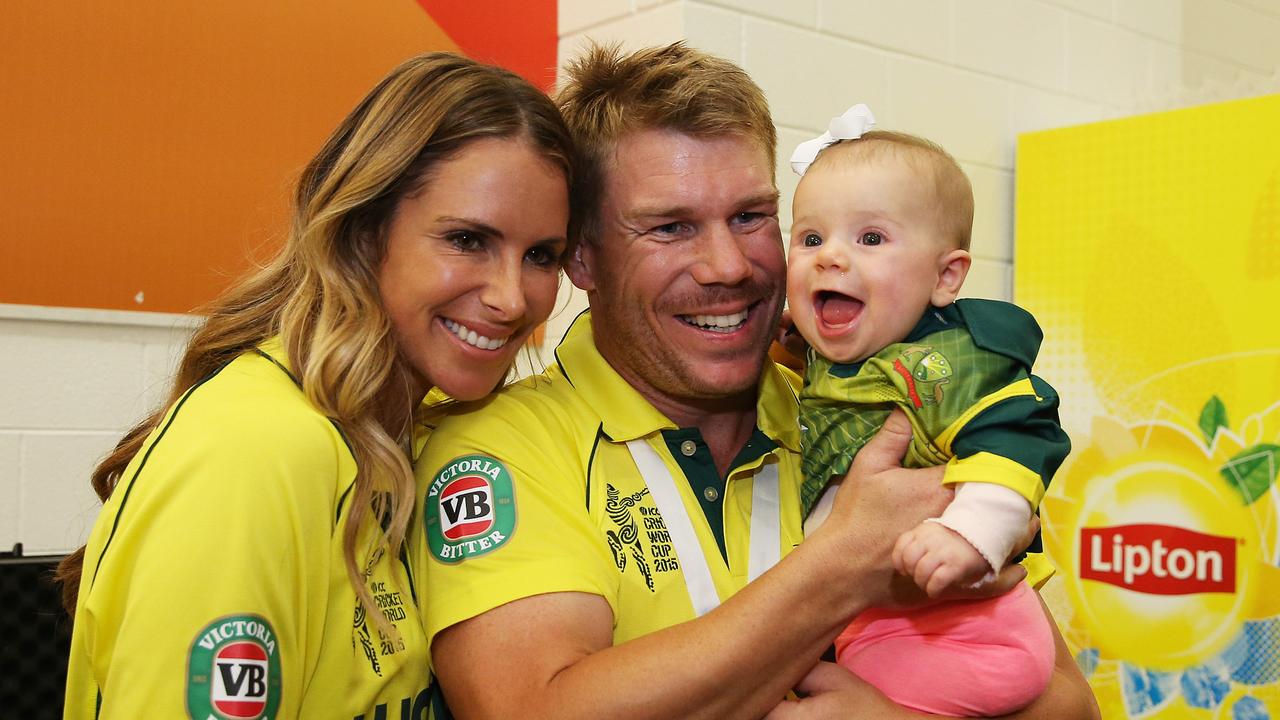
(1158, 559)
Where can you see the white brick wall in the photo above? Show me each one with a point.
(971, 74)
(634, 23)
(75, 380)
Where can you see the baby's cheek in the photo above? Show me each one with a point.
(797, 284)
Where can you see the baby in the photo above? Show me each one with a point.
(879, 250)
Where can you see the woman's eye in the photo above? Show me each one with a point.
(871, 238)
(543, 257)
(466, 240)
(812, 240)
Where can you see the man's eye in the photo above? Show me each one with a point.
(671, 228)
(812, 240)
(871, 238)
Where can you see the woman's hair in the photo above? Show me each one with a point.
(320, 293)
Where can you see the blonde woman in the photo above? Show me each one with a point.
(249, 558)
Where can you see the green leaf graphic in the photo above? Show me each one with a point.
(1252, 471)
(1212, 417)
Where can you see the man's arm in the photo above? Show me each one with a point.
(552, 655)
(833, 692)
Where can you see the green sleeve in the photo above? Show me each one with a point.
(1024, 429)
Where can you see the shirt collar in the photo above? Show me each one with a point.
(428, 415)
(273, 349)
(626, 415)
(934, 319)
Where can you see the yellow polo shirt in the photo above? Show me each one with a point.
(214, 584)
(534, 491)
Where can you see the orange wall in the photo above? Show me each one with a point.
(150, 148)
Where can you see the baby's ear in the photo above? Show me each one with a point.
(952, 269)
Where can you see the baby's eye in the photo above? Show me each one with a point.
(812, 240)
(871, 238)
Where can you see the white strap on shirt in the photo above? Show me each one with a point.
(766, 525)
(766, 522)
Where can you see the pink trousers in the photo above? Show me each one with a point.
(973, 658)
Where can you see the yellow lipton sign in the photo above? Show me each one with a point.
(1149, 250)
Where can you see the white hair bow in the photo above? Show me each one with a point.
(850, 126)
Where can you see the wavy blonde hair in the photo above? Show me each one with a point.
(320, 293)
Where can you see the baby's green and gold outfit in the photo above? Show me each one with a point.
(963, 376)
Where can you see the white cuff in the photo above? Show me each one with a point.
(991, 517)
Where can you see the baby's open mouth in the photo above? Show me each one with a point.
(836, 309)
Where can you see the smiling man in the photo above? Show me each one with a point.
(595, 540)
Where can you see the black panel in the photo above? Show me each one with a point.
(35, 635)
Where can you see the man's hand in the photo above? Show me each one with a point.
(938, 559)
(788, 346)
(879, 500)
(830, 691)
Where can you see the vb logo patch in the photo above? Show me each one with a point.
(233, 670)
(470, 508)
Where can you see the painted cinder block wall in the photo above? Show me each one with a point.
(971, 74)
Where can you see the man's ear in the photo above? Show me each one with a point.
(952, 269)
(579, 267)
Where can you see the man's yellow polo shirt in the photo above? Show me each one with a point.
(534, 491)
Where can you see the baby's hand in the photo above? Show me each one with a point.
(938, 558)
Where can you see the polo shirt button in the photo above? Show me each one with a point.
(688, 448)
(710, 493)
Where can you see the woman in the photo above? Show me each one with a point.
(249, 559)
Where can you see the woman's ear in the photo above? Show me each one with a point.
(579, 267)
(952, 269)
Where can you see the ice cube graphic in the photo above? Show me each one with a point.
(1206, 686)
(1254, 656)
(1235, 654)
(1146, 690)
(1087, 660)
(1249, 708)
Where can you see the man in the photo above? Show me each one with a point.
(589, 534)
